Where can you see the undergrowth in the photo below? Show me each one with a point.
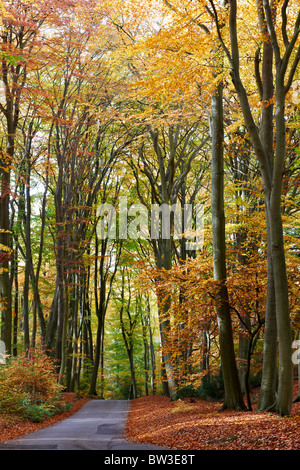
(29, 388)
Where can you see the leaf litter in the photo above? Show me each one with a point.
(201, 426)
(183, 425)
(12, 427)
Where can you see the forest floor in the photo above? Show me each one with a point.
(183, 425)
(12, 427)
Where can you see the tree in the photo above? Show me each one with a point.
(19, 30)
(233, 394)
(271, 168)
(14, 41)
(128, 320)
(171, 104)
(172, 151)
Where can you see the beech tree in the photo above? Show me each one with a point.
(172, 151)
(233, 393)
(271, 164)
(17, 45)
(233, 398)
(282, 46)
(167, 103)
(14, 41)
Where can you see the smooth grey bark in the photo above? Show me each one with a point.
(269, 380)
(285, 366)
(271, 174)
(144, 322)
(233, 395)
(151, 346)
(265, 84)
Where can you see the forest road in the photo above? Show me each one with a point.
(98, 425)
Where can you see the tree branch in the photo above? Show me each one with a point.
(272, 32)
(258, 79)
(216, 20)
(284, 23)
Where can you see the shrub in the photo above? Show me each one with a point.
(188, 391)
(212, 387)
(28, 387)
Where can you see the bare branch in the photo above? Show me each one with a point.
(257, 73)
(271, 29)
(284, 23)
(216, 20)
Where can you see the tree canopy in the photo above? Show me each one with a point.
(149, 197)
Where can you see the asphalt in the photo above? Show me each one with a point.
(98, 425)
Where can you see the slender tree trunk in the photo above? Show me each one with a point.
(101, 305)
(128, 340)
(16, 304)
(152, 351)
(233, 394)
(269, 370)
(285, 372)
(269, 379)
(61, 305)
(272, 174)
(52, 320)
(146, 355)
(169, 382)
(5, 284)
(28, 255)
(93, 383)
(132, 373)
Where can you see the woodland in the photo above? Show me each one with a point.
(149, 204)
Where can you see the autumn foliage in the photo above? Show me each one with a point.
(159, 103)
(199, 425)
(29, 387)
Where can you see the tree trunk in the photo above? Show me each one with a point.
(28, 254)
(269, 378)
(133, 388)
(146, 354)
(100, 300)
(165, 323)
(272, 174)
(151, 346)
(16, 304)
(285, 372)
(128, 332)
(97, 356)
(269, 370)
(233, 394)
(102, 296)
(5, 283)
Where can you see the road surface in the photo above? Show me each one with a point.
(98, 425)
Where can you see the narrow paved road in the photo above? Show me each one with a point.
(98, 425)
